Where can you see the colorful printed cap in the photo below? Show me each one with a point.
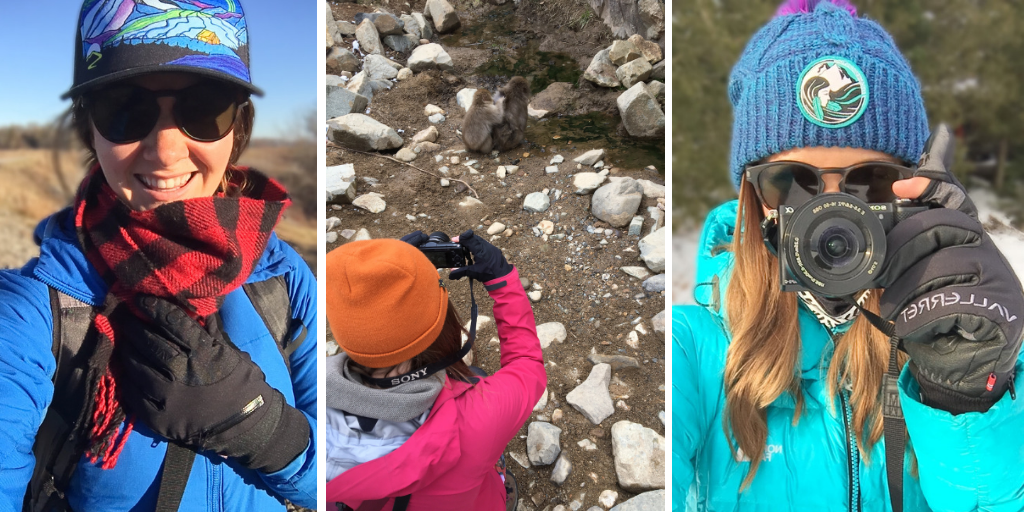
(120, 39)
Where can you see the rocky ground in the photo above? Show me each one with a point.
(580, 216)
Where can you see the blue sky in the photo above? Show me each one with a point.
(40, 35)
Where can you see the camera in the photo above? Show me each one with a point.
(444, 253)
(834, 245)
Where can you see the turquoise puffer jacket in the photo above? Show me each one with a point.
(972, 461)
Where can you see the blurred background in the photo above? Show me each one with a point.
(966, 54)
(41, 164)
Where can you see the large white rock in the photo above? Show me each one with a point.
(341, 101)
(652, 250)
(430, 56)
(651, 500)
(634, 72)
(617, 202)
(465, 98)
(551, 332)
(443, 14)
(403, 43)
(592, 398)
(590, 157)
(378, 67)
(639, 457)
(601, 70)
(340, 59)
(340, 187)
(369, 38)
(543, 443)
(412, 26)
(371, 202)
(426, 27)
(649, 49)
(587, 182)
(361, 132)
(536, 202)
(641, 114)
(428, 135)
(652, 189)
(623, 51)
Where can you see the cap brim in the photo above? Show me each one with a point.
(163, 68)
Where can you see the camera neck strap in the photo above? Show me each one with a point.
(893, 424)
(437, 366)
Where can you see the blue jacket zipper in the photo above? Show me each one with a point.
(852, 454)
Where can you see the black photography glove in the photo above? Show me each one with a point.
(956, 302)
(415, 239)
(191, 385)
(488, 261)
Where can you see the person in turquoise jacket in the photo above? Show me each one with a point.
(194, 384)
(778, 395)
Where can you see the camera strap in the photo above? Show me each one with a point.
(430, 369)
(893, 424)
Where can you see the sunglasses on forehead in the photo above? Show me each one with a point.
(795, 183)
(204, 112)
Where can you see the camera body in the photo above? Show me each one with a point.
(444, 253)
(834, 245)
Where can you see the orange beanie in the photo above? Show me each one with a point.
(385, 301)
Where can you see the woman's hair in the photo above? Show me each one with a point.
(448, 342)
(244, 120)
(763, 358)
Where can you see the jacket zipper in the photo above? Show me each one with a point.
(852, 455)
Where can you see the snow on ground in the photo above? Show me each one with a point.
(1009, 240)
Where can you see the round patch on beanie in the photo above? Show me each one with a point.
(832, 92)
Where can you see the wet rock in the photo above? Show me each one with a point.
(653, 500)
(428, 135)
(590, 157)
(601, 70)
(641, 114)
(633, 72)
(587, 182)
(536, 202)
(551, 332)
(388, 24)
(616, 361)
(406, 155)
(652, 250)
(340, 59)
(542, 402)
(652, 189)
(607, 498)
(426, 28)
(443, 14)
(639, 457)
(658, 321)
(656, 284)
(637, 272)
(361, 132)
(430, 56)
(465, 98)
(371, 202)
(616, 202)
(658, 71)
(592, 398)
(369, 38)
(623, 51)
(562, 469)
(412, 26)
(340, 186)
(554, 99)
(403, 43)
(649, 49)
(657, 89)
(378, 67)
(341, 101)
(543, 443)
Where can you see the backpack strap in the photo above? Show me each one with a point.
(271, 300)
(57, 449)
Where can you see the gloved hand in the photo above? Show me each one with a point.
(191, 385)
(488, 261)
(956, 302)
(415, 239)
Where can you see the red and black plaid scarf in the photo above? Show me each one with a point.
(194, 252)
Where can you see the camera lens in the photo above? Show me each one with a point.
(837, 246)
(439, 237)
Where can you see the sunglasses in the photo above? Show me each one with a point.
(795, 183)
(204, 112)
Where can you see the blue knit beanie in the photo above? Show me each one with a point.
(817, 75)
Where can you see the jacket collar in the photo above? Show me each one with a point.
(62, 263)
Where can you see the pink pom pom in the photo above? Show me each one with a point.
(803, 6)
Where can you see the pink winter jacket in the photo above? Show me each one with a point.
(448, 463)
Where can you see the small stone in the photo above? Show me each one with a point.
(436, 118)
(347, 234)
(371, 202)
(331, 237)
(546, 226)
(500, 173)
(637, 272)
(655, 284)
(511, 169)
(587, 445)
(445, 182)
(557, 159)
(633, 340)
(636, 225)
(428, 135)
(363, 234)
(551, 169)
(406, 155)
(551, 332)
(534, 296)
(521, 458)
(591, 398)
(495, 228)
(562, 469)
(432, 109)
(536, 202)
(661, 417)
(607, 498)
(639, 457)
(658, 321)
(332, 223)
(590, 157)
(557, 416)
(618, 362)
(404, 74)
(542, 403)
(542, 441)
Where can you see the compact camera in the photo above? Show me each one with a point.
(834, 245)
(444, 253)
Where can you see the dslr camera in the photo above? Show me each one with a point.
(834, 245)
(444, 253)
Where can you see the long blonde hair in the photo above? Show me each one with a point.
(762, 360)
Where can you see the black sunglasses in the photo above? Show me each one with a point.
(795, 183)
(127, 113)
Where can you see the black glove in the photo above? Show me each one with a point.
(488, 261)
(956, 302)
(191, 385)
(415, 239)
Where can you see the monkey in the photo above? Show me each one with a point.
(482, 116)
(515, 96)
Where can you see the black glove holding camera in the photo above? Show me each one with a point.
(191, 385)
(488, 261)
(955, 301)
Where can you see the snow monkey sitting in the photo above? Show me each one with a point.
(500, 123)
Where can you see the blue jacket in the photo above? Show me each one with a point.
(215, 484)
(972, 461)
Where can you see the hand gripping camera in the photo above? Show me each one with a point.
(833, 245)
(444, 253)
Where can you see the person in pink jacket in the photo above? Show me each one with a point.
(409, 425)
